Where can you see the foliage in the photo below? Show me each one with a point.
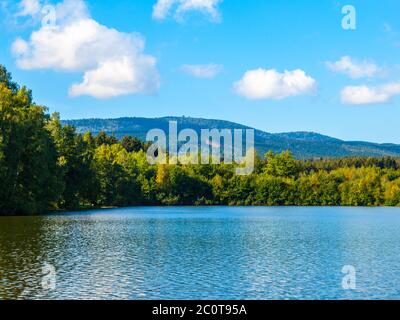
(29, 170)
(45, 165)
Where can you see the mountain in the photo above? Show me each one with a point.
(303, 145)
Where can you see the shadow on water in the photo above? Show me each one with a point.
(23, 250)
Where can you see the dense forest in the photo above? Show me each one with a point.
(46, 166)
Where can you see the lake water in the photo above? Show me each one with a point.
(201, 253)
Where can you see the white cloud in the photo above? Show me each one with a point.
(19, 47)
(359, 95)
(113, 62)
(28, 8)
(270, 84)
(117, 77)
(353, 68)
(163, 8)
(206, 71)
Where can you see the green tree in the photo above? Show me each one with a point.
(75, 158)
(178, 187)
(132, 144)
(238, 191)
(103, 139)
(281, 165)
(28, 158)
(274, 191)
(118, 185)
(362, 187)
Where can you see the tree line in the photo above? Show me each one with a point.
(46, 166)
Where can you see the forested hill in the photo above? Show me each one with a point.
(302, 144)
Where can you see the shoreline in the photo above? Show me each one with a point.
(109, 208)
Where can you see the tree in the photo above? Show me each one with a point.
(45, 166)
(318, 188)
(118, 185)
(274, 191)
(132, 144)
(392, 193)
(178, 187)
(362, 187)
(30, 174)
(6, 80)
(239, 191)
(281, 165)
(103, 139)
(75, 154)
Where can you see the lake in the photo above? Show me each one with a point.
(201, 253)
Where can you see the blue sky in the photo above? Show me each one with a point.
(215, 59)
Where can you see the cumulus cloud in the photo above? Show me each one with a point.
(113, 63)
(360, 95)
(163, 8)
(270, 84)
(353, 68)
(206, 71)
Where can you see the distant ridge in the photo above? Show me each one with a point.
(303, 145)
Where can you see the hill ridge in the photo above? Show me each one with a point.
(302, 144)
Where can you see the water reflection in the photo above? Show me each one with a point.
(203, 253)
